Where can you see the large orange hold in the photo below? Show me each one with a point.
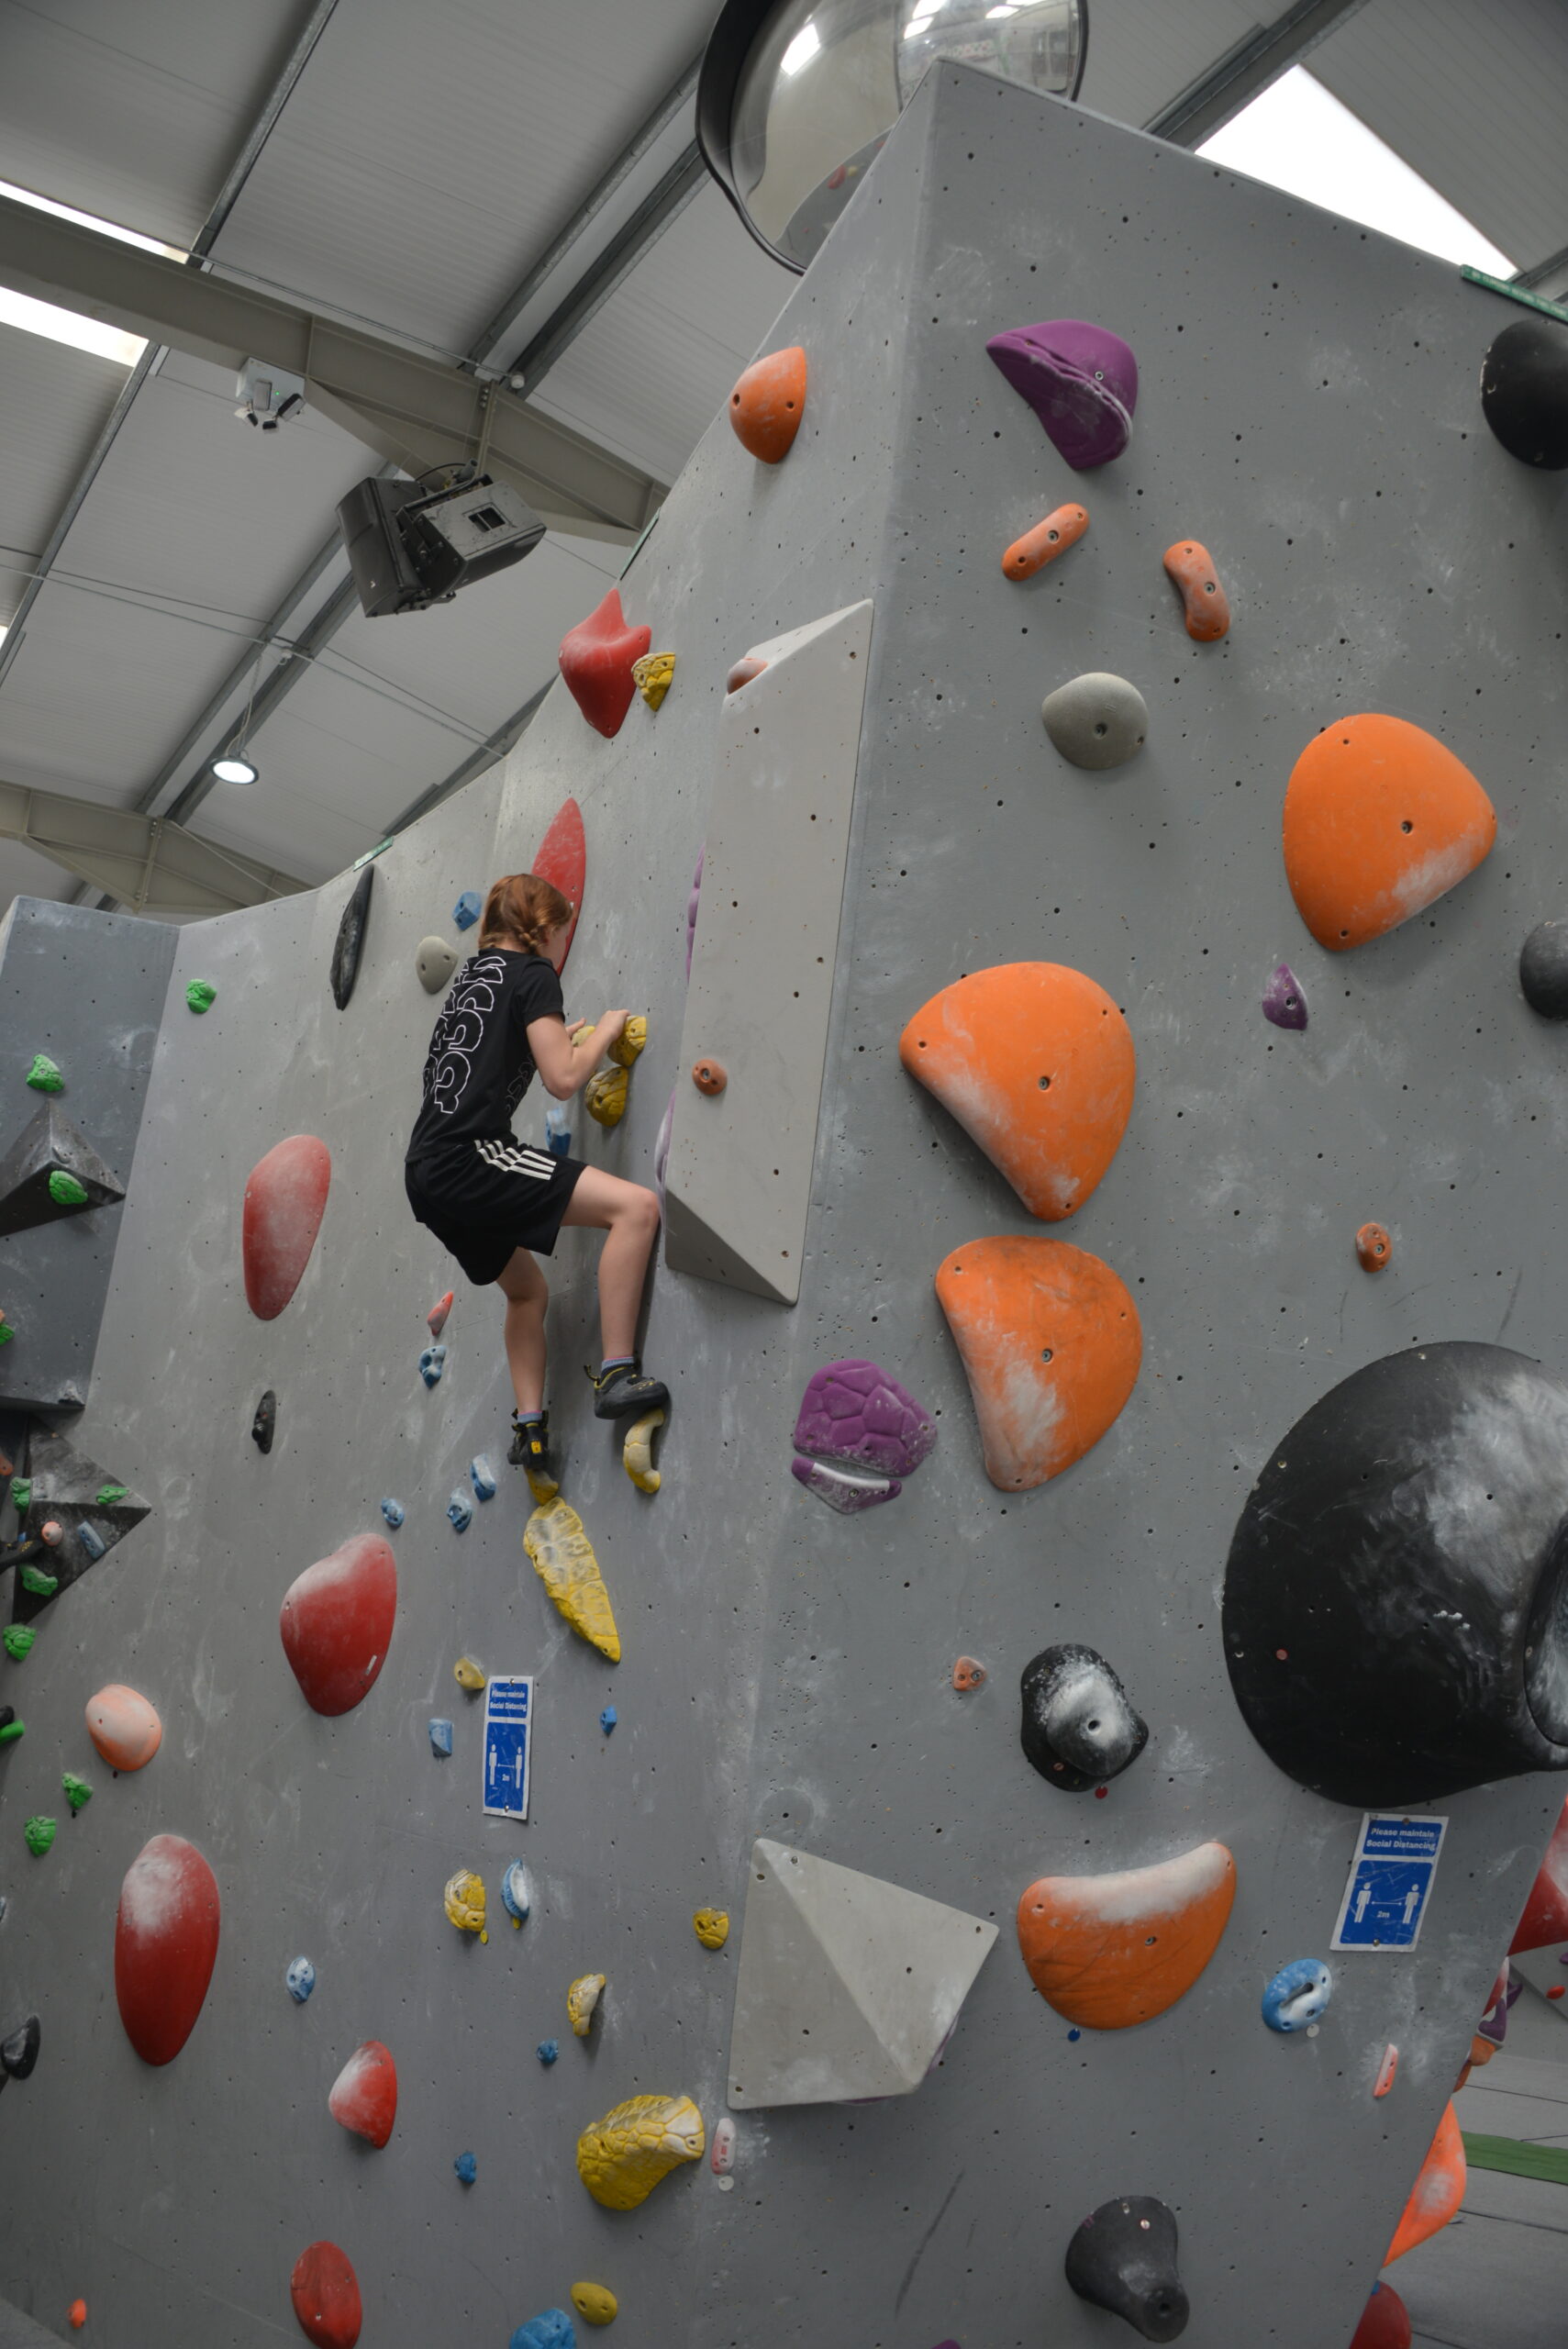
(1379, 822)
(1109, 1951)
(1037, 1064)
(767, 403)
(124, 1727)
(1052, 1344)
(1438, 2192)
(1545, 1921)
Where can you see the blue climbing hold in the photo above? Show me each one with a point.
(467, 910)
(393, 1512)
(467, 2168)
(557, 1131)
(442, 1738)
(1297, 1994)
(607, 1720)
(482, 1477)
(91, 1541)
(460, 1510)
(1074, 2033)
(553, 2328)
(432, 1361)
(301, 1980)
(516, 1893)
(547, 2051)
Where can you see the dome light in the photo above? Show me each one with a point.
(233, 766)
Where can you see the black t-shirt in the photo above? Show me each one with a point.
(480, 1065)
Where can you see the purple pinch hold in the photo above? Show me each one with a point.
(844, 1489)
(692, 902)
(857, 1412)
(662, 1152)
(1283, 1001)
(1080, 380)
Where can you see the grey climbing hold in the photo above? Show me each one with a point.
(441, 1739)
(1096, 721)
(1123, 2258)
(459, 1511)
(432, 1361)
(393, 1512)
(1078, 1727)
(468, 908)
(263, 1426)
(350, 940)
(1543, 970)
(435, 961)
(300, 1979)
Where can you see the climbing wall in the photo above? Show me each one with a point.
(1307, 414)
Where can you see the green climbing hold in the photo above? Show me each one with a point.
(39, 1833)
(12, 1731)
(65, 1190)
(18, 1639)
(200, 995)
(78, 1793)
(44, 1074)
(22, 1494)
(107, 1495)
(6, 1333)
(42, 1585)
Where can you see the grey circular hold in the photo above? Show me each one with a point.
(1096, 721)
(435, 961)
(1543, 970)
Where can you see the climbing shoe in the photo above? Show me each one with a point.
(531, 1449)
(622, 1390)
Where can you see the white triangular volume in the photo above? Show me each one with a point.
(849, 1988)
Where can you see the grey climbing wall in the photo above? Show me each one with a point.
(1309, 412)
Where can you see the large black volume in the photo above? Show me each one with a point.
(350, 940)
(1395, 1616)
(1123, 2258)
(1524, 392)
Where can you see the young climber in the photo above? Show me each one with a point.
(494, 1201)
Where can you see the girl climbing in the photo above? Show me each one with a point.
(491, 1199)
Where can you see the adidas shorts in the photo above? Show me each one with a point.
(482, 1199)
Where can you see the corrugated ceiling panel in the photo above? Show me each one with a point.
(429, 154)
(135, 114)
(23, 873)
(1475, 98)
(54, 403)
(1142, 53)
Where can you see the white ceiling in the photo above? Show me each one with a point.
(424, 162)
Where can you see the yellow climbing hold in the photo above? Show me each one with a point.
(564, 1562)
(636, 1451)
(469, 1676)
(628, 1044)
(594, 2303)
(581, 2000)
(604, 1096)
(652, 675)
(543, 1489)
(465, 1902)
(711, 1927)
(621, 2158)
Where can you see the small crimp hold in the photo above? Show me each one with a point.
(200, 995)
(516, 1893)
(1284, 1002)
(468, 908)
(607, 1718)
(65, 1190)
(482, 1476)
(1060, 530)
(436, 1316)
(628, 1044)
(654, 675)
(299, 1979)
(968, 1675)
(77, 1792)
(745, 669)
(709, 1075)
(44, 1074)
(39, 1834)
(18, 1639)
(460, 1512)
(469, 1675)
(1373, 1248)
(711, 1927)
(91, 1541)
(432, 1361)
(636, 1451)
(547, 2051)
(594, 2303)
(441, 1739)
(582, 1998)
(1190, 569)
(467, 2169)
(393, 1512)
(463, 1901)
(38, 1583)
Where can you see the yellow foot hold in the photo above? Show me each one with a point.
(628, 1044)
(621, 2158)
(469, 1675)
(465, 1902)
(543, 1489)
(564, 1560)
(581, 2000)
(652, 676)
(711, 1927)
(594, 2303)
(604, 1097)
(636, 1451)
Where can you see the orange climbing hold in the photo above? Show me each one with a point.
(78, 2314)
(767, 403)
(745, 669)
(1109, 1951)
(1545, 1921)
(1438, 2192)
(1060, 530)
(1380, 821)
(1190, 569)
(124, 1727)
(1373, 1248)
(1037, 1064)
(709, 1077)
(1052, 1344)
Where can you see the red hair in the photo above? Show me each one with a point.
(523, 909)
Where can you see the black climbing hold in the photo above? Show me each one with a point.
(50, 1145)
(1524, 392)
(266, 1421)
(1123, 2258)
(351, 939)
(1543, 970)
(1396, 1615)
(1078, 1727)
(19, 2049)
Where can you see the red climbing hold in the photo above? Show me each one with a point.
(436, 1316)
(767, 403)
(165, 1945)
(1545, 1919)
(1386, 2321)
(595, 660)
(1438, 2192)
(563, 860)
(326, 2295)
(337, 1622)
(364, 2095)
(284, 1200)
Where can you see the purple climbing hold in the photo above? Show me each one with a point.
(1080, 380)
(1283, 1001)
(692, 907)
(849, 1490)
(856, 1413)
(661, 1151)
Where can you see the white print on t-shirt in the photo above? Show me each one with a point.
(460, 1031)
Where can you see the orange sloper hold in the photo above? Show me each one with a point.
(1037, 1064)
(767, 403)
(1438, 2192)
(1052, 1344)
(1109, 1951)
(1380, 821)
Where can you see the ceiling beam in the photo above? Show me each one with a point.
(1244, 72)
(415, 409)
(496, 746)
(625, 251)
(138, 861)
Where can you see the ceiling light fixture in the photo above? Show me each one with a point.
(230, 764)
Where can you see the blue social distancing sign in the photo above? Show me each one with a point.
(508, 1717)
(1390, 1882)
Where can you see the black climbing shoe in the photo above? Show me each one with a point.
(531, 1449)
(621, 1393)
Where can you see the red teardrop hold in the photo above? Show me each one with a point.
(562, 860)
(336, 1620)
(165, 1945)
(1386, 2321)
(284, 1199)
(596, 660)
(1545, 1921)
(326, 2295)
(364, 2095)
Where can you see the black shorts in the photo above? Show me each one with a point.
(482, 1199)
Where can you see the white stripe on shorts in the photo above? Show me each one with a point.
(517, 1159)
